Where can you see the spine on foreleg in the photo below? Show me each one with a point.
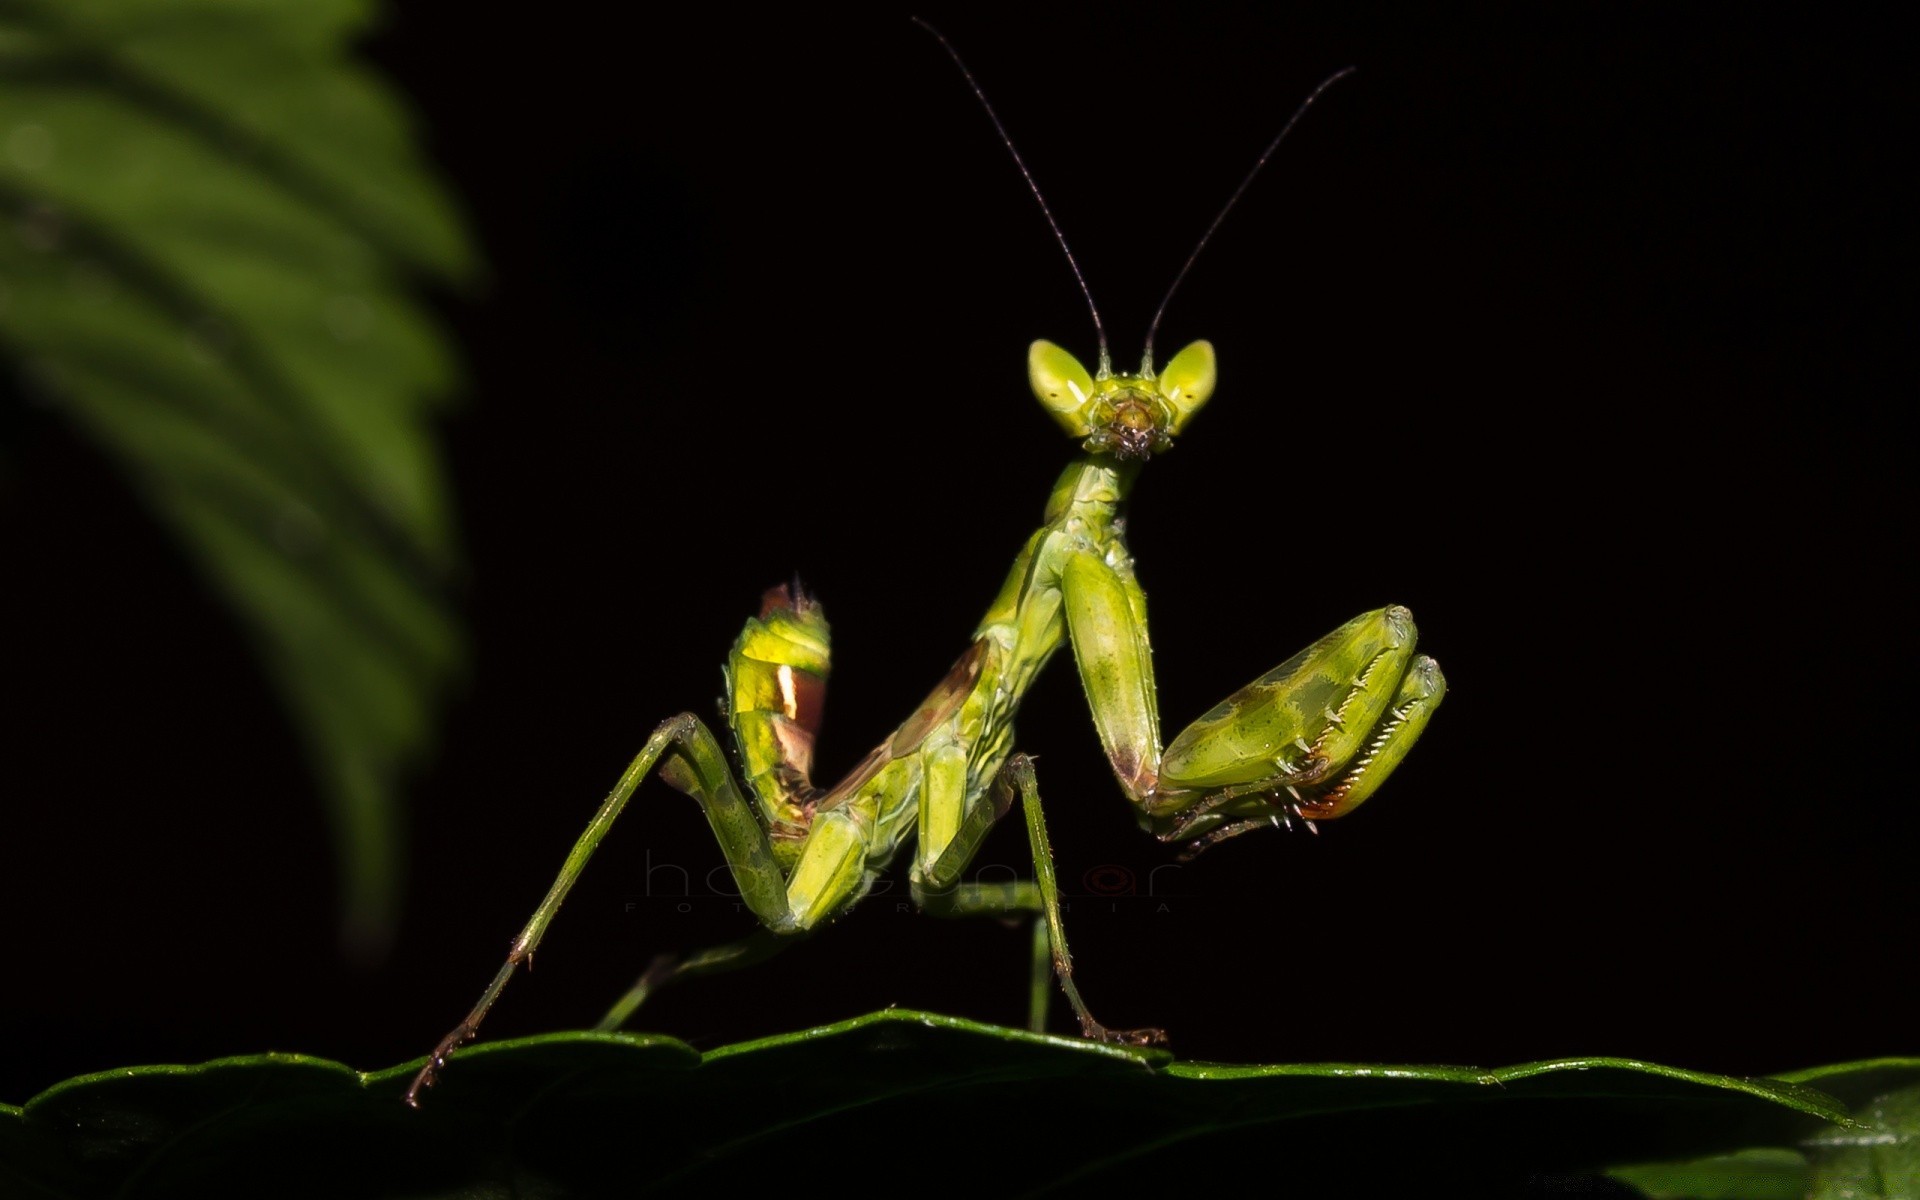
(776, 686)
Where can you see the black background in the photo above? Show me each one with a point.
(1580, 332)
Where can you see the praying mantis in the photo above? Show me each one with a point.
(1308, 741)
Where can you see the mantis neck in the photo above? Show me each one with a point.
(1091, 489)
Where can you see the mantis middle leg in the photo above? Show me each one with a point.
(936, 888)
(1011, 899)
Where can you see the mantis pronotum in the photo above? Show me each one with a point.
(1309, 740)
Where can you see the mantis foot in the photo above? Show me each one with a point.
(1094, 1031)
(430, 1074)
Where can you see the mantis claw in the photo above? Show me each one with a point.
(1094, 1031)
(437, 1062)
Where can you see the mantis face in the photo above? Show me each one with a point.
(1127, 416)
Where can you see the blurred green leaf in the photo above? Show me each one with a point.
(1763, 1174)
(1874, 1156)
(1878, 1158)
(940, 1105)
(208, 214)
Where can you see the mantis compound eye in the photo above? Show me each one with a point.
(1063, 387)
(1188, 381)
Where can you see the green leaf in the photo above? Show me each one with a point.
(897, 1099)
(1875, 1156)
(1878, 1158)
(207, 215)
(1765, 1174)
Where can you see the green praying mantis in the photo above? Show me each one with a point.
(1309, 740)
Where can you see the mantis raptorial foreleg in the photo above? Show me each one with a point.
(1308, 740)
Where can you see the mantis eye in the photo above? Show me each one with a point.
(1188, 381)
(1061, 384)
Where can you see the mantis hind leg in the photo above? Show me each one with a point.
(691, 760)
(669, 969)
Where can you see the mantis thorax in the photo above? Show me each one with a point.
(1129, 416)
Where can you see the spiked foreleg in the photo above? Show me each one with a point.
(1107, 620)
(691, 760)
(1310, 739)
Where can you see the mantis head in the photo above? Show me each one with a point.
(1127, 416)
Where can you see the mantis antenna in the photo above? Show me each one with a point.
(1153, 328)
(1146, 367)
(1100, 331)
